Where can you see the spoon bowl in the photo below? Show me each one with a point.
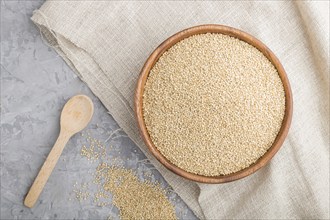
(76, 114)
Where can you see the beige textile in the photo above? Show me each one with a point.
(107, 43)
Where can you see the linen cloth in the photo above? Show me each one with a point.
(107, 43)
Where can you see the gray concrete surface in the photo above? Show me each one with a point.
(35, 84)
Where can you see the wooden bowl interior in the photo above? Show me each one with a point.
(234, 33)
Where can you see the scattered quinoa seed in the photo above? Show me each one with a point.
(81, 193)
(120, 187)
(213, 104)
(135, 199)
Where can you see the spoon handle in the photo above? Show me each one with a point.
(46, 169)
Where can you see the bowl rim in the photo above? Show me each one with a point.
(222, 29)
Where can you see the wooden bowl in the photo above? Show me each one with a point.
(211, 28)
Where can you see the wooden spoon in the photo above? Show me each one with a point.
(75, 116)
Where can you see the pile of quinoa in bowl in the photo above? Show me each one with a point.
(213, 104)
